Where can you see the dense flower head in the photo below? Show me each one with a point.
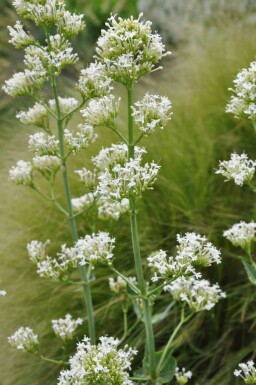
(151, 113)
(21, 173)
(198, 294)
(192, 250)
(24, 83)
(37, 250)
(243, 102)
(24, 339)
(65, 327)
(127, 179)
(3, 293)
(19, 38)
(36, 115)
(239, 167)
(47, 165)
(88, 177)
(94, 81)
(102, 111)
(70, 24)
(41, 143)
(111, 209)
(44, 12)
(119, 285)
(247, 372)
(182, 376)
(241, 234)
(83, 202)
(80, 139)
(99, 364)
(129, 49)
(116, 154)
(67, 105)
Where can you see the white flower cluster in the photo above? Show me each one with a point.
(102, 111)
(192, 250)
(119, 286)
(42, 144)
(24, 83)
(36, 115)
(3, 293)
(130, 178)
(88, 177)
(83, 202)
(64, 328)
(198, 294)
(90, 249)
(24, 339)
(19, 38)
(247, 371)
(151, 113)
(21, 173)
(94, 81)
(239, 167)
(129, 49)
(111, 209)
(116, 154)
(47, 165)
(182, 377)
(243, 104)
(99, 364)
(241, 234)
(67, 105)
(47, 12)
(82, 138)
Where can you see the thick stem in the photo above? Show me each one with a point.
(72, 222)
(137, 256)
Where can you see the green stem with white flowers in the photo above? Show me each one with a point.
(150, 341)
(84, 272)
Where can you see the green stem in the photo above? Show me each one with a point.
(169, 343)
(52, 360)
(124, 308)
(72, 223)
(137, 256)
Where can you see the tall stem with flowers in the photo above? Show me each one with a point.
(126, 51)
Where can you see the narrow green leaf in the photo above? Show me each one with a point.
(251, 272)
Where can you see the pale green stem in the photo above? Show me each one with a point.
(137, 256)
(72, 223)
(125, 279)
(124, 308)
(249, 253)
(169, 343)
(51, 360)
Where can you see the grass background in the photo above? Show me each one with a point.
(187, 196)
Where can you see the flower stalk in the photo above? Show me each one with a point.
(71, 219)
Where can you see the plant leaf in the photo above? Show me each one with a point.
(251, 272)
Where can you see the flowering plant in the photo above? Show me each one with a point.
(126, 51)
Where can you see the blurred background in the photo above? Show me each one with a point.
(211, 41)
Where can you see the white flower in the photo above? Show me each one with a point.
(239, 167)
(23, 83)
(119, 286)
(42, 144)
(36, 115)
(99, 364)
(47, 165)
(130, 178)
(21, 173)
(94, 82)
(70, 24)
(3, 292)
(65, 327)
(116, 154)
(83, 202)
(241, 234)
(67, 105)
(243, 103)
(129, 48)
(111, 209)
(182, 377)
(247, 371)
(51, 268)
(88, 177)
(37, 250)
(198, 294)
(102, 111)
(80, 139)
(48, 13)
(151, 113)
(24, 339)
(19, 38)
